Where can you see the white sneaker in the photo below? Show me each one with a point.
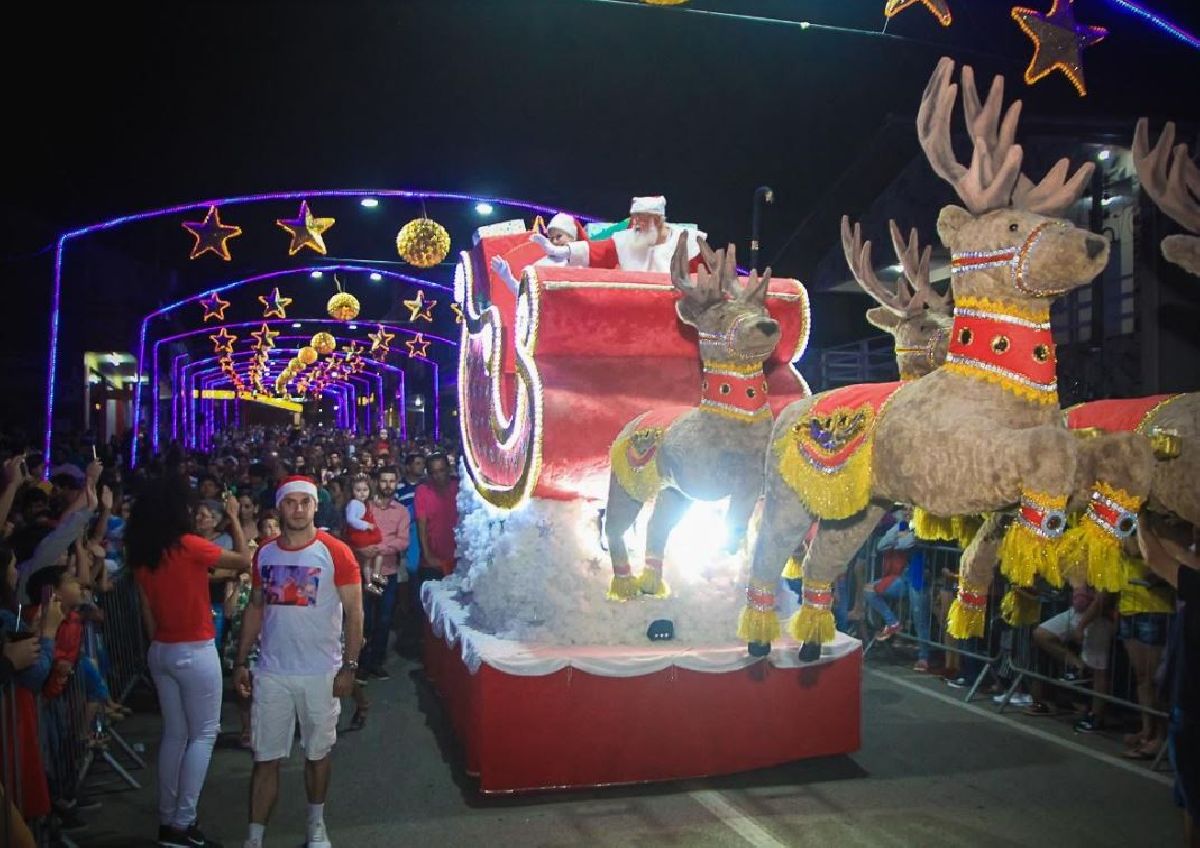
(317, 837)
(1022, 699)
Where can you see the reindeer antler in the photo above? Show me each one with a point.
(858, 257)
(709, 287)
(1054, 194)
(914, 262)
(1168, 175)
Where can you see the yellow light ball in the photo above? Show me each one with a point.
(323, 343)
(296, 365)
(343, 306)
(308, 355)
(423, 242)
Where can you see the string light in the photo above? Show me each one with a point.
(419, 308)
(211, 235)
(214, 307)
(940, 9)
(306, 230)
(274, 305)
(1058, 42)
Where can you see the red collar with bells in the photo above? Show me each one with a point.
(1005, 346)
(734, 390)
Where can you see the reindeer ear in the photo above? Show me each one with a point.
(883, 318)
(688, 311)
(950, 220)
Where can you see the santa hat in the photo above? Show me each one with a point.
(563, 221)
(656, 205)
(295, 485)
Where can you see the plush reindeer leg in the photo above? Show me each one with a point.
(669, 507)
(621, 512)
(1122, 468)
(737, 519)
(784, 523)
(1043, 459)
(965, 617)
(832, 549)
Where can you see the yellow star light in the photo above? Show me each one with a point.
(214, 306)
(381, 340)
(458, 313)
(353, 349)
(420, 308)
(264, 338)
(223, 341)
(306, 230)
(211, 235)
(357, 365)
(940, 9)
(1058, 42)
(274, 305)
(418, 341)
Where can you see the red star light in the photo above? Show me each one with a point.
(418, 341)
(1058, 42)
(274, 305)
(214, 307)
(223, 341)
(211, 235)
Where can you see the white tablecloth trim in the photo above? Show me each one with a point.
(448, 619)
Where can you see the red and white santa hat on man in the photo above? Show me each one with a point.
(295, 485)
(656, 205)
(563, 221)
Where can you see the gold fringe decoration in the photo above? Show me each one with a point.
(812, 624)
(1091, 552)
(794, 570)
(758, 625)
(650, 582)
(841, 494)
(642, 482)
(1024, 555)
(623, 587)
(1020, 609)
(964, 620)
(936, 528)
(1021, 390)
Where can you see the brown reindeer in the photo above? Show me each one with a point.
(913, 313)
(982, 433)
(709, 452)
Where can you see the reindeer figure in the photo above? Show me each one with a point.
(708, 452)
(1172, 180)
(982, 433)
(913, 313)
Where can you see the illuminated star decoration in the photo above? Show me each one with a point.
(264, 338)
(211, 235)
(305, 230)
(223, 341)
(1058, 42)
(418, 341)
(357, 364)
(420, 308)
(352, 350)
(940, 9)
(381, 343)
(274, 305)
(214, 307)
(458, 313)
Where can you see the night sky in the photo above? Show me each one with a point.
(114, 108)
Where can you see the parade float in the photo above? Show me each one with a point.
(553, 679)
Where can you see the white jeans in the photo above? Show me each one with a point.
(188, 678)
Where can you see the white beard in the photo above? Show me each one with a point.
(646, 239)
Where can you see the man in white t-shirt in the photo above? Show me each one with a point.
(304, 583)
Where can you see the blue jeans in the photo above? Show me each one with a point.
(377, 623)
(918, 602)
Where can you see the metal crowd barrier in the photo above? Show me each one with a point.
(1009, 653)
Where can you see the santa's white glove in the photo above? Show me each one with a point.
(500, 266)
(555, 251)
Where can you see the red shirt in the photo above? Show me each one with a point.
(440, 512)
(178, 591)
(67, 642)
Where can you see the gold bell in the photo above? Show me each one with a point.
(1166, 443)
(1088, 432)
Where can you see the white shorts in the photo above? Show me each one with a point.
(277, 701)
(1097, 636)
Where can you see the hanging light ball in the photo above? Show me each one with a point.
(308, 355)
(423, 242)
(296, 365)
(343, 306)
(323, 343)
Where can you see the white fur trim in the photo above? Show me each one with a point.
(563, 221)
(656, 205)
(302, 487)
(580, 255)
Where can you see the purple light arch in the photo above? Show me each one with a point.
(65, 238)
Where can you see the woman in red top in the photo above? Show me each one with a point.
(172, 566)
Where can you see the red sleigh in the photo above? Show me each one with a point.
(546, 383)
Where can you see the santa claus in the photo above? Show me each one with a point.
(561, 231)
(647, 245)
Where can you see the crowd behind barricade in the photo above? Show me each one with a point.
(74, 645)
(1122, 664)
